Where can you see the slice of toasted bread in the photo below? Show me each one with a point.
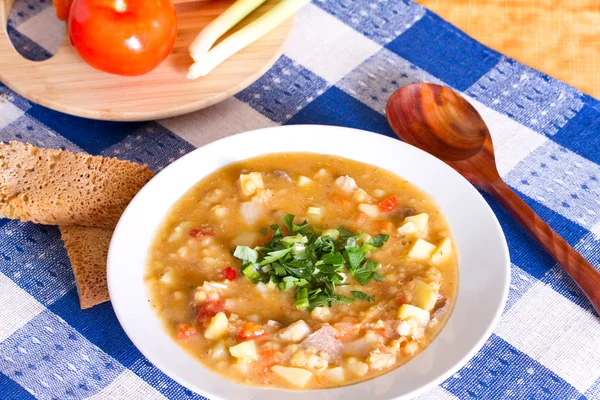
(88, 249)
(57, 187)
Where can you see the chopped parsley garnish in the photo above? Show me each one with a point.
(357, 294)
(313, 264)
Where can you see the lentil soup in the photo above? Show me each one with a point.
(303, 271)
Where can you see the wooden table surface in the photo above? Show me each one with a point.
(558, 37)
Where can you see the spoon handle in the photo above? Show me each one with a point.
(582, 272)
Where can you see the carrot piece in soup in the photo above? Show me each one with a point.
(389, 204)
(203, 230)
(251, 330)
(346, 332)
(361, 217)
(185, 331)
(339, 199)
(267, 359)
(384, 226)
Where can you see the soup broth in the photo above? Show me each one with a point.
(365, 279)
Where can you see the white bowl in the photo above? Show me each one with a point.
(484, 271)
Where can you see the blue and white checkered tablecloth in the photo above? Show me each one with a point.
(342, 63)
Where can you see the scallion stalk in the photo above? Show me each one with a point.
(244, 37)
(217, 28)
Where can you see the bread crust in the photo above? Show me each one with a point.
(57, 187)
(87, 249)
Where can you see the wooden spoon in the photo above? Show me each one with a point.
(436, 119)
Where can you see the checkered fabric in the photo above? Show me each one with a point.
(342, 63)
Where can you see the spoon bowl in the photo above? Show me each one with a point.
(456, 130)
(439, 121)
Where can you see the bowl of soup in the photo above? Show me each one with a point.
(311, 262)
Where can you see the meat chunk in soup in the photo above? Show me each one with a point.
(324, 340)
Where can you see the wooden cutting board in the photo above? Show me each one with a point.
(558, 37)
(65, 83)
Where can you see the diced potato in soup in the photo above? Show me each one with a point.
(303, 271)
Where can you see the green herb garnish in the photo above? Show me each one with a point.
(357, 294)
(311, 264)
(379, 240)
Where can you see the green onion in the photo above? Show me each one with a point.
(314, 210)
(220, 25)
(298, 248)
(302, 302)
(251, 273)
(274, 256)
(299, 238)
(332, 233)
(206, 60)
(245, 253)
(288, 221)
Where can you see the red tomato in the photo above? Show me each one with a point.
(124, 37)
(209, 310)
(204, 230)
(267, 359)
(62, 8)
(251, 330)
(185, 331)
(229, 273)
(383, 333)
(401, 300)
(389, 204)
